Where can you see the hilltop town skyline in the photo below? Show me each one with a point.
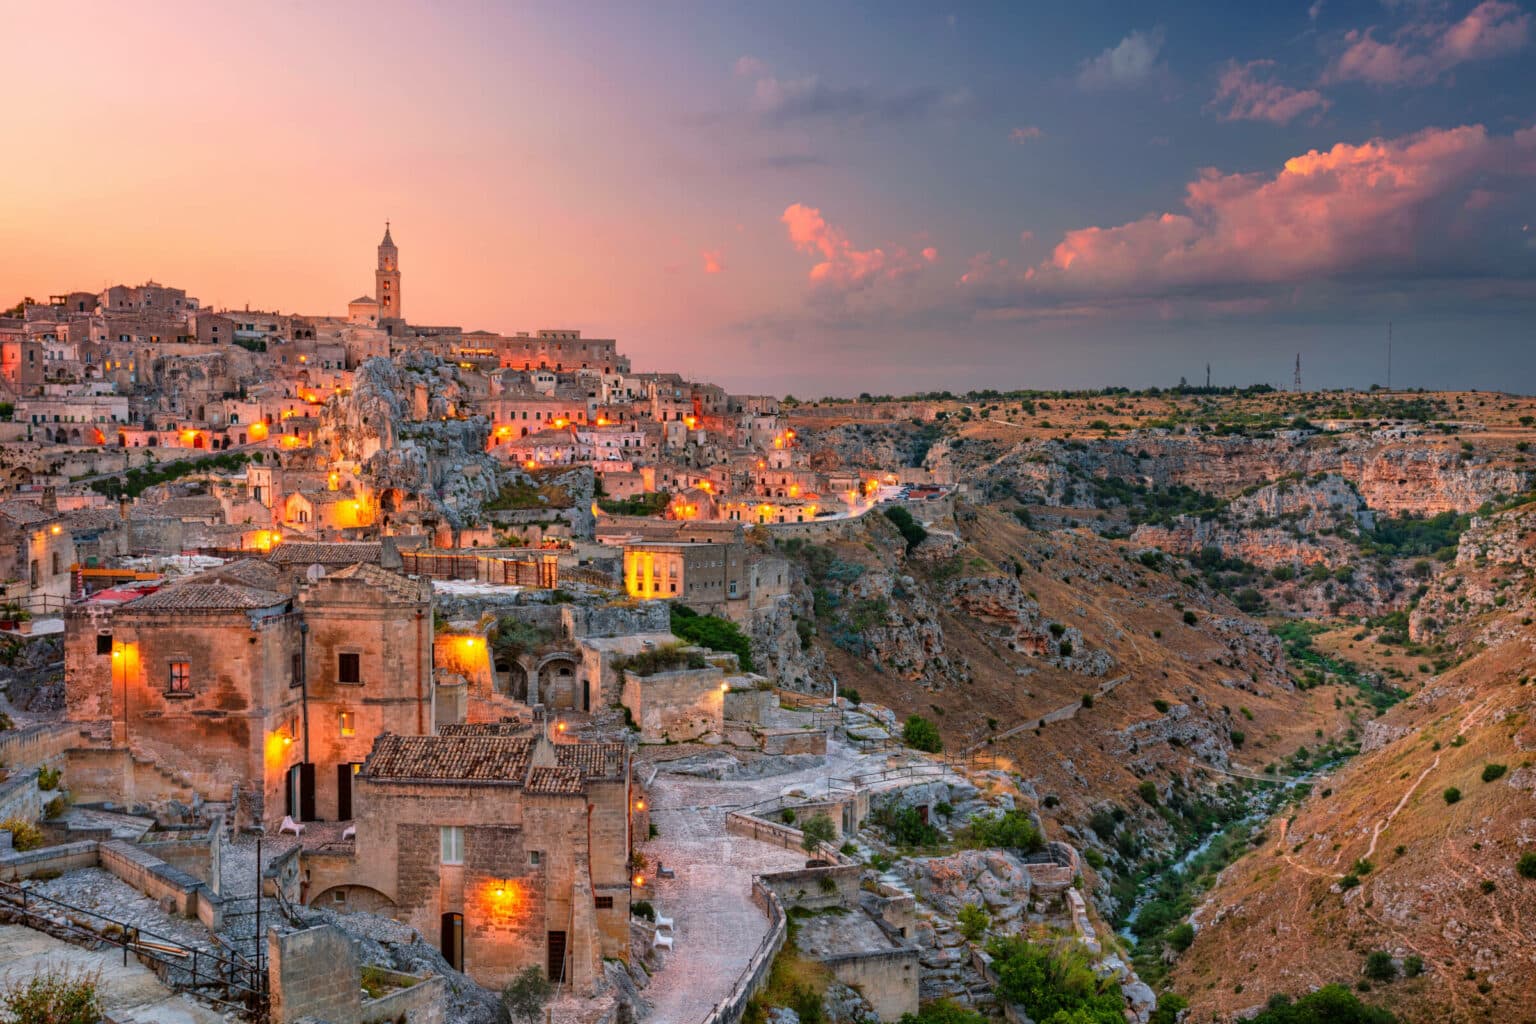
(825, 201)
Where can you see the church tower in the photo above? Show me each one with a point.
(387, 278)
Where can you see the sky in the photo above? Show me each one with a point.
(812, 198)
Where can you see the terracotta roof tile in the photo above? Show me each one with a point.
(311, 552)
(25, 513)
(596, 760)
(501, 759)
(556, 782)
(484, 729)
(403, 588)
(208, 597)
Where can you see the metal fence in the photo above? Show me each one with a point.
(221, 976)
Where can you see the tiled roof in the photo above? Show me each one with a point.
(596, 760)
(207, 597)
(25, 513)
(484, 729)
(94, 519)
(402, 588)
(458, 755)
(192, 505)
(247, 572)
(556, 782)
(311, 552)
(450, 758)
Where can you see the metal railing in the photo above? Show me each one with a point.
(221, 976)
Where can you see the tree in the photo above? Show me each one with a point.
(816, 830)
(524, 997)
(911, 530)
(1451, 794)
(921, 734)
(1525, 867)
(712, 632)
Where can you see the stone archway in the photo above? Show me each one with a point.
(353, 899)
(559, 681)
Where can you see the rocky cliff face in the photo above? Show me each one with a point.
(392, 425)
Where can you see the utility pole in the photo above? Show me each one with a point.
(1297, 381)
(1389, 355)
(1207, 376)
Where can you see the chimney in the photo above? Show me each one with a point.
(123, 505)
(51, 499)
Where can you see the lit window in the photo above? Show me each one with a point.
(452, 841)
(181, 677)
(348, 727)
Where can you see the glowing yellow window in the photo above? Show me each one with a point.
(348, 725)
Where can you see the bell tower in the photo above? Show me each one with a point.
(387, 278)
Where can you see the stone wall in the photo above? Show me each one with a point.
(679, 706)
(160, 881)
(313, 973)
(730, 1009)
(816, 888)
(888, 979)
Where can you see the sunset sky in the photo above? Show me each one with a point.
(813, 198)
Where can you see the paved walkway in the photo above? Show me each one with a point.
(718, 925)
(130, 994)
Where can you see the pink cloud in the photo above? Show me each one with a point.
(1249, 95)
(1026, 237)
(1424, 50)
(714, 261)
(1025, 134)
(843, 267)
(1370, 207)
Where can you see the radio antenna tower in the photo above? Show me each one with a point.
(1297, 381)
(1389, 355)
(1207, 376)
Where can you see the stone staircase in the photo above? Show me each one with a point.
(180, 786)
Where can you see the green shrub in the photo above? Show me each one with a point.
(1413, 966)
(1055, 982)
(1379, 966)
(524, 996)
(1331, 1004)
(1190, 618)
(24, 834)
(713, 632)
(1525, 867)
(921, 734)
(1148, 792)
(1451, 794)
(642, 909)
(47, 778)
(53, 995)
(1011, 830)
(1181, 936)
(973, 921)
(1492, 772)
(942, 1011)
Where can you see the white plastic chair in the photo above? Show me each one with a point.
(661, 942)
(664, 922)
(350, 832)
(289, 825)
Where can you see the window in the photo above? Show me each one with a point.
(339, 896)
(534, 857)
(452, 842)
(103, 643)
(349, 668)
(603, 902)
(295, 671)
(348, 724)
(181, 677)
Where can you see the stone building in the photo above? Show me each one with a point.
(236, 687)
(512, 850)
